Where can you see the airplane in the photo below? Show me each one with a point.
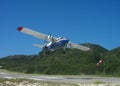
(52, 43)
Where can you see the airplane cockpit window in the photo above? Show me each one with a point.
(60, 37)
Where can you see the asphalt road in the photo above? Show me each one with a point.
(59, 78)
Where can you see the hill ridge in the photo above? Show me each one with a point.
(73, 62)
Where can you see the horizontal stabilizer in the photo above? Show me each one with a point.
(38, 45)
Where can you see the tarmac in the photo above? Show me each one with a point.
(60, 78)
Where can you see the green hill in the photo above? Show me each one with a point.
(72, 62)
(112, 63)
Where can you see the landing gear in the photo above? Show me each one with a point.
(64, 50)
(45, 51)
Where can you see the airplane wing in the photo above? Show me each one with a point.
(35, 34)
(80, 47)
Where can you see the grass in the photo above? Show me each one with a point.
(99, 82)
(28, 82)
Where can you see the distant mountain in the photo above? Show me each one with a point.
(72, 62)
(117, 50)
(16, 62)
(96, 48)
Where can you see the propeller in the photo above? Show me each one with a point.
(49, 38)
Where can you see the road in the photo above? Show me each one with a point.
(59, 78)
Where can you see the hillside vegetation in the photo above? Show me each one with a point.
(73, 62)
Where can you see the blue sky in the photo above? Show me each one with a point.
(82, 21)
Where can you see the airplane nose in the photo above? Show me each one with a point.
(67, 40)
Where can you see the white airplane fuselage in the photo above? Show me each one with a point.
(60, 43)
